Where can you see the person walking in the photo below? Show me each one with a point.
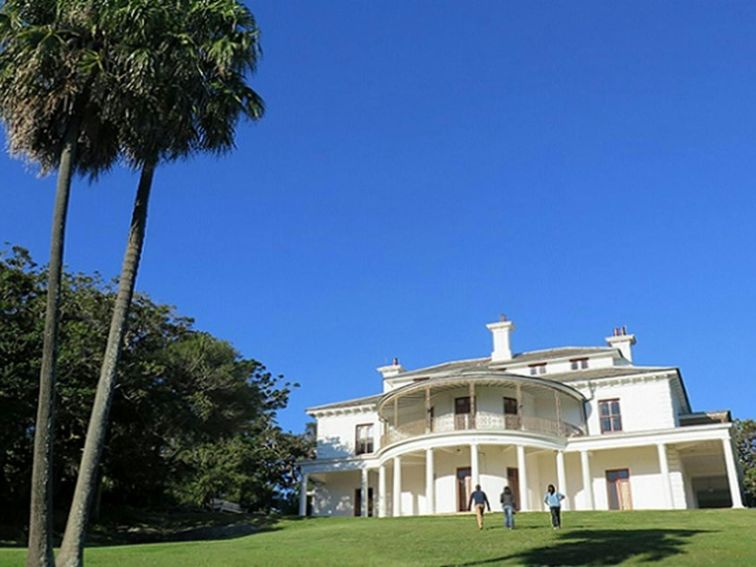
(481, 503)
(508, 506)
(553, 500)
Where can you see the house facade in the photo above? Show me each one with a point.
(608, 434)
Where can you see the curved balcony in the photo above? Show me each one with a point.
(483, 422)
(485, 401)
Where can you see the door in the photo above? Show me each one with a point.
(513, 481)
(464, 488)
(618, 489)
(358, 502)
(462, 413)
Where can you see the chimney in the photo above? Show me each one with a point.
(392, 370)
(501, 331)
(622, 341)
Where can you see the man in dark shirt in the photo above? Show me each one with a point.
(481, 503)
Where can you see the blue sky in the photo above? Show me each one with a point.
(426, 165)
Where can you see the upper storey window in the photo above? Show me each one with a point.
(510, 406)
(609, 415)
(364, 438)
(538, 369)
(579, 363)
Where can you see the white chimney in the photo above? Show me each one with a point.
(622, 341)
(392, 370)
(501, 331)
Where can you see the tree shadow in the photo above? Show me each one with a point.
(155, 527)
(601, 547)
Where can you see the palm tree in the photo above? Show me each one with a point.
(50, 79)
(183, 89)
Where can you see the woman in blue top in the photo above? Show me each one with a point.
(553, 500)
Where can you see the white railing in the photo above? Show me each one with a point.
(481, 421)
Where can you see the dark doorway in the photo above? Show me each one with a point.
(513, 481)
(462, 413)
(464, 488)
(358, 502)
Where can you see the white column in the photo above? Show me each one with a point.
(585, 464)
(382, 491)
(474, 464)
(429, 484)
(661, 450)
(303, 495)
(561, 479)
(522, 469)
(397, 511)
(732, 474)
(364, 490)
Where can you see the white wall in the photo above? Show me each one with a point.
(335, 497)
(643, 405)
(646, 484)
(336, 433)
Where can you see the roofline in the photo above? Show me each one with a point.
(513, 360)
(354, 402)
(424, 369)
(684, 391)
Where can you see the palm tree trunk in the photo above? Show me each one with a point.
(72, 549)
(40, 550)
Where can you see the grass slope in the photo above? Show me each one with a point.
(696, 537)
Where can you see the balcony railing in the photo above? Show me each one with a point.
(482, 421)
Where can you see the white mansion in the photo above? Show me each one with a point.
(608, 434)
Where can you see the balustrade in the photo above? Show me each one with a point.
(481, 421)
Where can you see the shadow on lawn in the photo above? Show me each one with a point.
(601, 547)
(150, 527)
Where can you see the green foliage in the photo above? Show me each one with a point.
(745, 444)
(139, 79)
(191, 419)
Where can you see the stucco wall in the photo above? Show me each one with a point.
(643, 405)
(336, 433)
(335, 497)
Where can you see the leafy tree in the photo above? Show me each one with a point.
(745, 444)
(184, 398)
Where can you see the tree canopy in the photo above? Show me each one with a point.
(745, 445)
(191, 419)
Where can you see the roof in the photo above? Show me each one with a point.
(483, 364)
(364, 401)
(611, 372)
(519, 358)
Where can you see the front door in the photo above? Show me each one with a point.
(462, 413)
(513, 481)
(358, 502)
(618, 489)
(464, 488)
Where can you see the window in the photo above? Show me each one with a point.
(579, 363)
(536, 369)
(364, 439)
(609, 415)
(510, 406)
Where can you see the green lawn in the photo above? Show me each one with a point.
(696, 537)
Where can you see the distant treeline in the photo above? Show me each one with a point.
(191, 421)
